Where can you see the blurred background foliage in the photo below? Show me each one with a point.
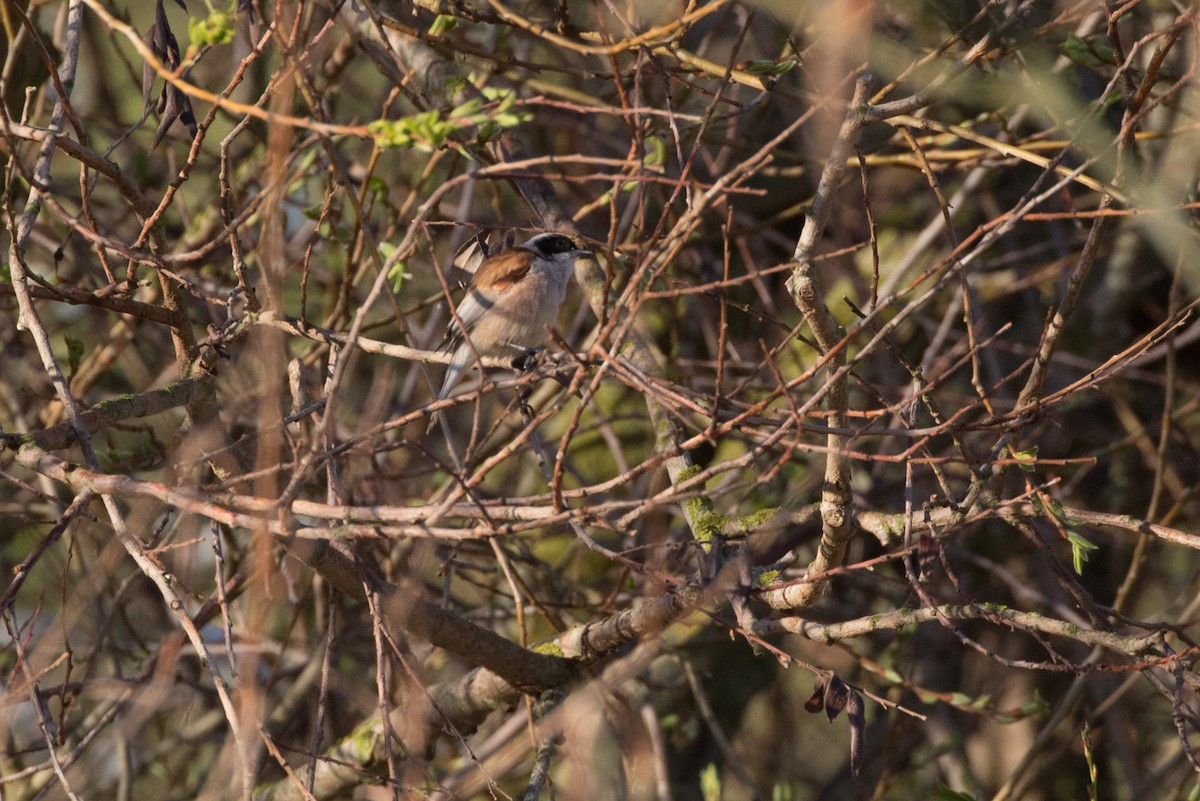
(321, 165)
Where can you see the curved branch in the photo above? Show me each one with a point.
(837, 527)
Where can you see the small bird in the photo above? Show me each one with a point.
(511, 298)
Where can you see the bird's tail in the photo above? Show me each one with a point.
(458, 363)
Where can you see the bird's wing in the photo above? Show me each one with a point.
(470, 310)
(492, 279)
(504, 269)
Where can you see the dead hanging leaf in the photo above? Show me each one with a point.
(857, 718)
(833, 695)
(172, 103)
(836, 695)
(817, 700)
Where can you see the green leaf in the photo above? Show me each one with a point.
(710, 782)
(496, 93)
(377, 186)
(780, 67)
(467, 109)
(487, 131)
(1079, 541)
(1080, 546)
(307, 161)
(1091, 52)
(512, 119)
(429, 130)
(1090, 759)
(926, 697)
(657, 153)
(944, 793)
(389, 133)
(1057, 511)
(442, 24)
(215, 29)
(1026, 458)
(398, 274)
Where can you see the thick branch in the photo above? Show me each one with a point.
(106, 413)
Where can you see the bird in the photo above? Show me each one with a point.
(512, 297)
